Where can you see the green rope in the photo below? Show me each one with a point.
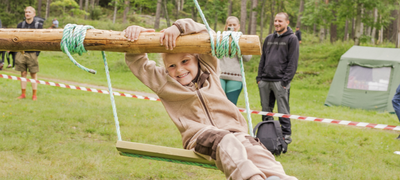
(222, 50)
(72, 43)
(170, 160)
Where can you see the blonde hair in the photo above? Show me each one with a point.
(228, 18)
(30, 7)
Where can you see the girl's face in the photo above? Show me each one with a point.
(182, 67)
(232, 25)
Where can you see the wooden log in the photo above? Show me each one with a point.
(105, 40)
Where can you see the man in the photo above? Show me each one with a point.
(396, 105)
(55, 24)
(278, 65)
(298, 34)
(28, 59)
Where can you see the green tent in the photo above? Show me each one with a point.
(366, 78)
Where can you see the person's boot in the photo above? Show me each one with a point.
(287, 139)
(34, 97)
(23, 96)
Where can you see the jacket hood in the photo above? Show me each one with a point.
(288, 32)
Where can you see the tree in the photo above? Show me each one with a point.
(301, 9)
(39, 9)
(373, 34)
(358, 28)
(158, 12)
(346, 31)
(262, 19)
(48, 8)
(333, 25)
(115, 9)
(271, 22)
(126, 10)
(398, 26)
(166, 13)
(243, 14)
(86, 7)
(92, 4)
(80, 4)
(253, 19)
(229, 7)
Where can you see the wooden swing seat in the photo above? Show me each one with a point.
(161, 152)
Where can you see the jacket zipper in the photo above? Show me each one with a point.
(202, 103)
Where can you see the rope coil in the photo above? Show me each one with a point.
(72, 43)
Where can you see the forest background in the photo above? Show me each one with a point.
(363, 21)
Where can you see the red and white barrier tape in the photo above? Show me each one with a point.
(333, 121)
(77, 87)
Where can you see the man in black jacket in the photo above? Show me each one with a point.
(278, 65)
(28, 59)
(298, 34)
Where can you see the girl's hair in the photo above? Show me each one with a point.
(30, 7)
(227, 19)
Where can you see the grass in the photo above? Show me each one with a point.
(69, 134)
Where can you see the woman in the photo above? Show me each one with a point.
(231, 76)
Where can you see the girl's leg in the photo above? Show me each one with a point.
(223, 84)
(233, 89)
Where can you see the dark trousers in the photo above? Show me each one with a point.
(271, 104)
(12, 56)
(2, 56)
(396, 102)
(281, 95)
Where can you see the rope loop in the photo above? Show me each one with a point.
(222, 48)
(72, 43)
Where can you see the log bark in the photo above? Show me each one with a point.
(105, 40)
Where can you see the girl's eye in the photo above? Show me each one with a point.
(171, 66)
(185, 61)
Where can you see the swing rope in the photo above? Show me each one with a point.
(72, 42)
(223, 50)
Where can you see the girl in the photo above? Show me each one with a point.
(231, 76)
(189, 88)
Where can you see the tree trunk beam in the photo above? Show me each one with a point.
(105, 40)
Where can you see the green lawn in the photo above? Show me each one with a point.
(69, 134)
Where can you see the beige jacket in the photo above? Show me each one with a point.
(190, 108)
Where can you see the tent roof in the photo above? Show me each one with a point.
(372, 53)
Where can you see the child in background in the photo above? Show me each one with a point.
(190, 90)
(231, 75)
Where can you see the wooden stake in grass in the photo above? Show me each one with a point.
(105, 40)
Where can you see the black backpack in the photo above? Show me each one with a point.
(270, 134)
(38, 20)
